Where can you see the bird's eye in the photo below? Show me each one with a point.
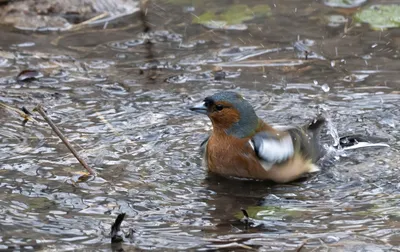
(219, 107)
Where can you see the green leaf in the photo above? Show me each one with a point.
(380, 16)
(234, 15)
(204, 18)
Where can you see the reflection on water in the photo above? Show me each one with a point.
(143, 141)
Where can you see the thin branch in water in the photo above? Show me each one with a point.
(24, 113)
(87, 22)
(299, 248)
(40, 110)
(152, 75)
(143, 15)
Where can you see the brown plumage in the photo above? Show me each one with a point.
(242, 145)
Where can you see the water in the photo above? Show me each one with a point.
(125, 108)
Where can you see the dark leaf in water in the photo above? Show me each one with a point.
(116, 228)
(83, 178)
(26, 111)
(56, 95)
(220, 75)
(28, 75)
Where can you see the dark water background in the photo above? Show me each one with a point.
(124, 106)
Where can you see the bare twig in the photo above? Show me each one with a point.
(39, 109)
(82, 24)
(298, 249)
(24, 113)
(143, 15)
(152, 75)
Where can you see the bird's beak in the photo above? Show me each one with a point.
(199, 108)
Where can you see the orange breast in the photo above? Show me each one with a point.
(230, 156)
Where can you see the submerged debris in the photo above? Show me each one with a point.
(219, 74)
(246, 218)
(304, 50)
(26, 118)
(49, 15)
(29, 75)
(116, 235)
(350, 142)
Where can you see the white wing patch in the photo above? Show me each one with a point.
(271, 149)
(251, 144)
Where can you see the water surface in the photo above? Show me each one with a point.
(124, 105)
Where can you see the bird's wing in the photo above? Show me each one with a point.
(272, 149)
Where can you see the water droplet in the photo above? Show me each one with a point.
(121, 56)
(325, 88)
(48, 81)
(336, 20)
(177, 79)
(331, 239)
(4, 62)
(224, 26)
(133, 42)
(99, 64)
(189, 9)
(117, 45)
(366, 57)
(26, 44)
(232, 74)
(187, 45)
(355, 77)
(191, 68)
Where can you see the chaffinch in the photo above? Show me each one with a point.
(243, 145)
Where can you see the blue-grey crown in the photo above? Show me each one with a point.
(248, 119)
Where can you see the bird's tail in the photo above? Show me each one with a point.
(316, 124)
(313, 130)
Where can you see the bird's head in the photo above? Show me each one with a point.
(229, 112)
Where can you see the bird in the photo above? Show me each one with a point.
(242, 145)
